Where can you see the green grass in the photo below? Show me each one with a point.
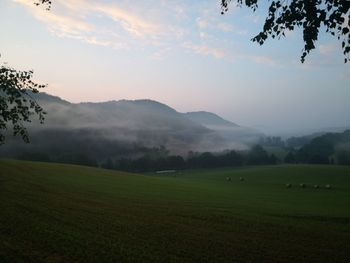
(66, 213)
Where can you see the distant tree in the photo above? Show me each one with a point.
(271, 141)
(142, 164)
(343, 157)
(108, 164)
(76, 158)
(257, 155)
(123, 164)
(34, 156)
(232, 158)
(319, 149)
(309, 15)
(297, 142)
(290, 158)
(175, 162)
(318, 159)
(273, 159)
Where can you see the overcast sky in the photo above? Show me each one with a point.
(179, 52)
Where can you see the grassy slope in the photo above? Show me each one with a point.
(60, 213)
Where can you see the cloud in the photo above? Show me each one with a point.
(80, 20)
(253, 18)
(161, 54)
(160, 26)
(208, 22)
(225, 27)
(205, 50)
(61, 24)
(242, 32)
(134, 24)
(202, 23)
(265, 60)
(204, 35)
(326, 49)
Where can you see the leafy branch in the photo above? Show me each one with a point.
(309, 15)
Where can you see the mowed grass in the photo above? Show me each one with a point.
(67, 213)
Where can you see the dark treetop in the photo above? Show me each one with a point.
(309, 15)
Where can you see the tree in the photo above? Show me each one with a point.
(43, 2)
(16, 102)
(290, 158)
(309, 15)
(257, 156)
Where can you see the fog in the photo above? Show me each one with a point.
(124, 128)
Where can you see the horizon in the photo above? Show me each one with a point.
(185, 55)
(283, 134)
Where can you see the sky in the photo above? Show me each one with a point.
(181, 53)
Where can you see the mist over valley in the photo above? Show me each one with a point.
(125, 128)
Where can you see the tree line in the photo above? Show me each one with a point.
(255, 156)
(330, 148)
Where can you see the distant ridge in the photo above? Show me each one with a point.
(209, 119)
(43, 96)
(148, 103)
(116, 129)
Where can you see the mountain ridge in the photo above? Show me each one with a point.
(114, 129)
(209, 118)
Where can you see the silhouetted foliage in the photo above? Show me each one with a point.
(47, 3)
(204, 160)
(108, 164)
(297, 142)
(76, 158)
(343, 157)
(308, 15)
(275, 141)
(16, 103)
(290, 157)
(318, 150)
(147, 163)
(257, 155)
(35, 156)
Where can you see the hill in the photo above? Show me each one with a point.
(114, 129)
(209, 119)
(237, 137)
(68, 213)
(324, 149)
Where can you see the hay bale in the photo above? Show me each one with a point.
(228, 179)
(302, 185)
(241, 179)
(328, 186)
(288, 185)
(316, 186)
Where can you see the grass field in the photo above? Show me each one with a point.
(66, 213)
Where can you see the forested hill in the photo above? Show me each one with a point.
(324, 149)
(119, 128)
